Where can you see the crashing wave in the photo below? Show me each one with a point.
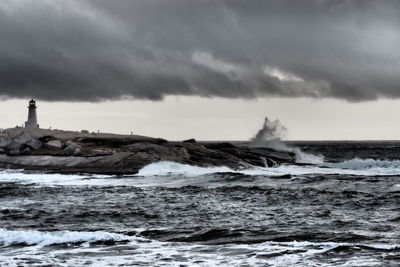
(168, 167)
(8, 238)
(7, 175)
(364, 164)
(371, 167)
(303, 157)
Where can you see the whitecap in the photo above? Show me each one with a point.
(8, 237)
(363, 164)
(166, 168)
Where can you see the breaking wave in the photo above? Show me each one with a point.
(161, 253)
(332, 245)
(25, 177)
(367, 167)
(167, 167)
(9, 238)
(360, 167)
(303, 157)
(364, 164)
(189, 173)
(38, 238)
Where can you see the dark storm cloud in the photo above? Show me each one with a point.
(93, 50)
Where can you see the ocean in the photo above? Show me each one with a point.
(341, 207)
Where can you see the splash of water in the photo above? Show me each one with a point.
(270, 131)
(270, 135)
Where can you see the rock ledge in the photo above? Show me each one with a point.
(73, 152)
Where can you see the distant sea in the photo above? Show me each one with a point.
(340, 207)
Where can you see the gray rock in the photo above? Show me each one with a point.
(2, 151)
(77, 151)
(71, 144)
(54, 144)
(72, 151)
(14, 145)
(14, 152)
(192, 140)
(69, 150)
(34, 144)
(26, 151)
(148, 148)
(4, 143)
(127, 155)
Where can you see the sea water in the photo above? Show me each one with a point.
(343, 209)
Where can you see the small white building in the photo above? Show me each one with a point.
(32, 117)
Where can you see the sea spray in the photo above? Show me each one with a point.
(270, 136)
(270, 133)
(303, 157)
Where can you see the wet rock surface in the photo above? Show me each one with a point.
(70, 152)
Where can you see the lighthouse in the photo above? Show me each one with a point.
(32, 118)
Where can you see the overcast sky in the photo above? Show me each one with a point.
(205, 69)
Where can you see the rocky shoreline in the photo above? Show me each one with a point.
(98, 153)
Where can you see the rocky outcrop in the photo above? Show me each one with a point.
(34, 144)
(54, 144)
(117, 154)
(192, 140)
(72, 149)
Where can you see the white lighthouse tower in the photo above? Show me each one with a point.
(32, 118)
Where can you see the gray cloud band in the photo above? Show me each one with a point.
(93, 50)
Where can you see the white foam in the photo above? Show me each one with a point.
(167, 167)
(155, 253)
(331, 245)
(303, 157)
(304, 170)
(300, 156)
(170, 170)
(364, 164)
(23, 177)
(8, 238)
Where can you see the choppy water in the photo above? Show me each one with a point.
(344, 211)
